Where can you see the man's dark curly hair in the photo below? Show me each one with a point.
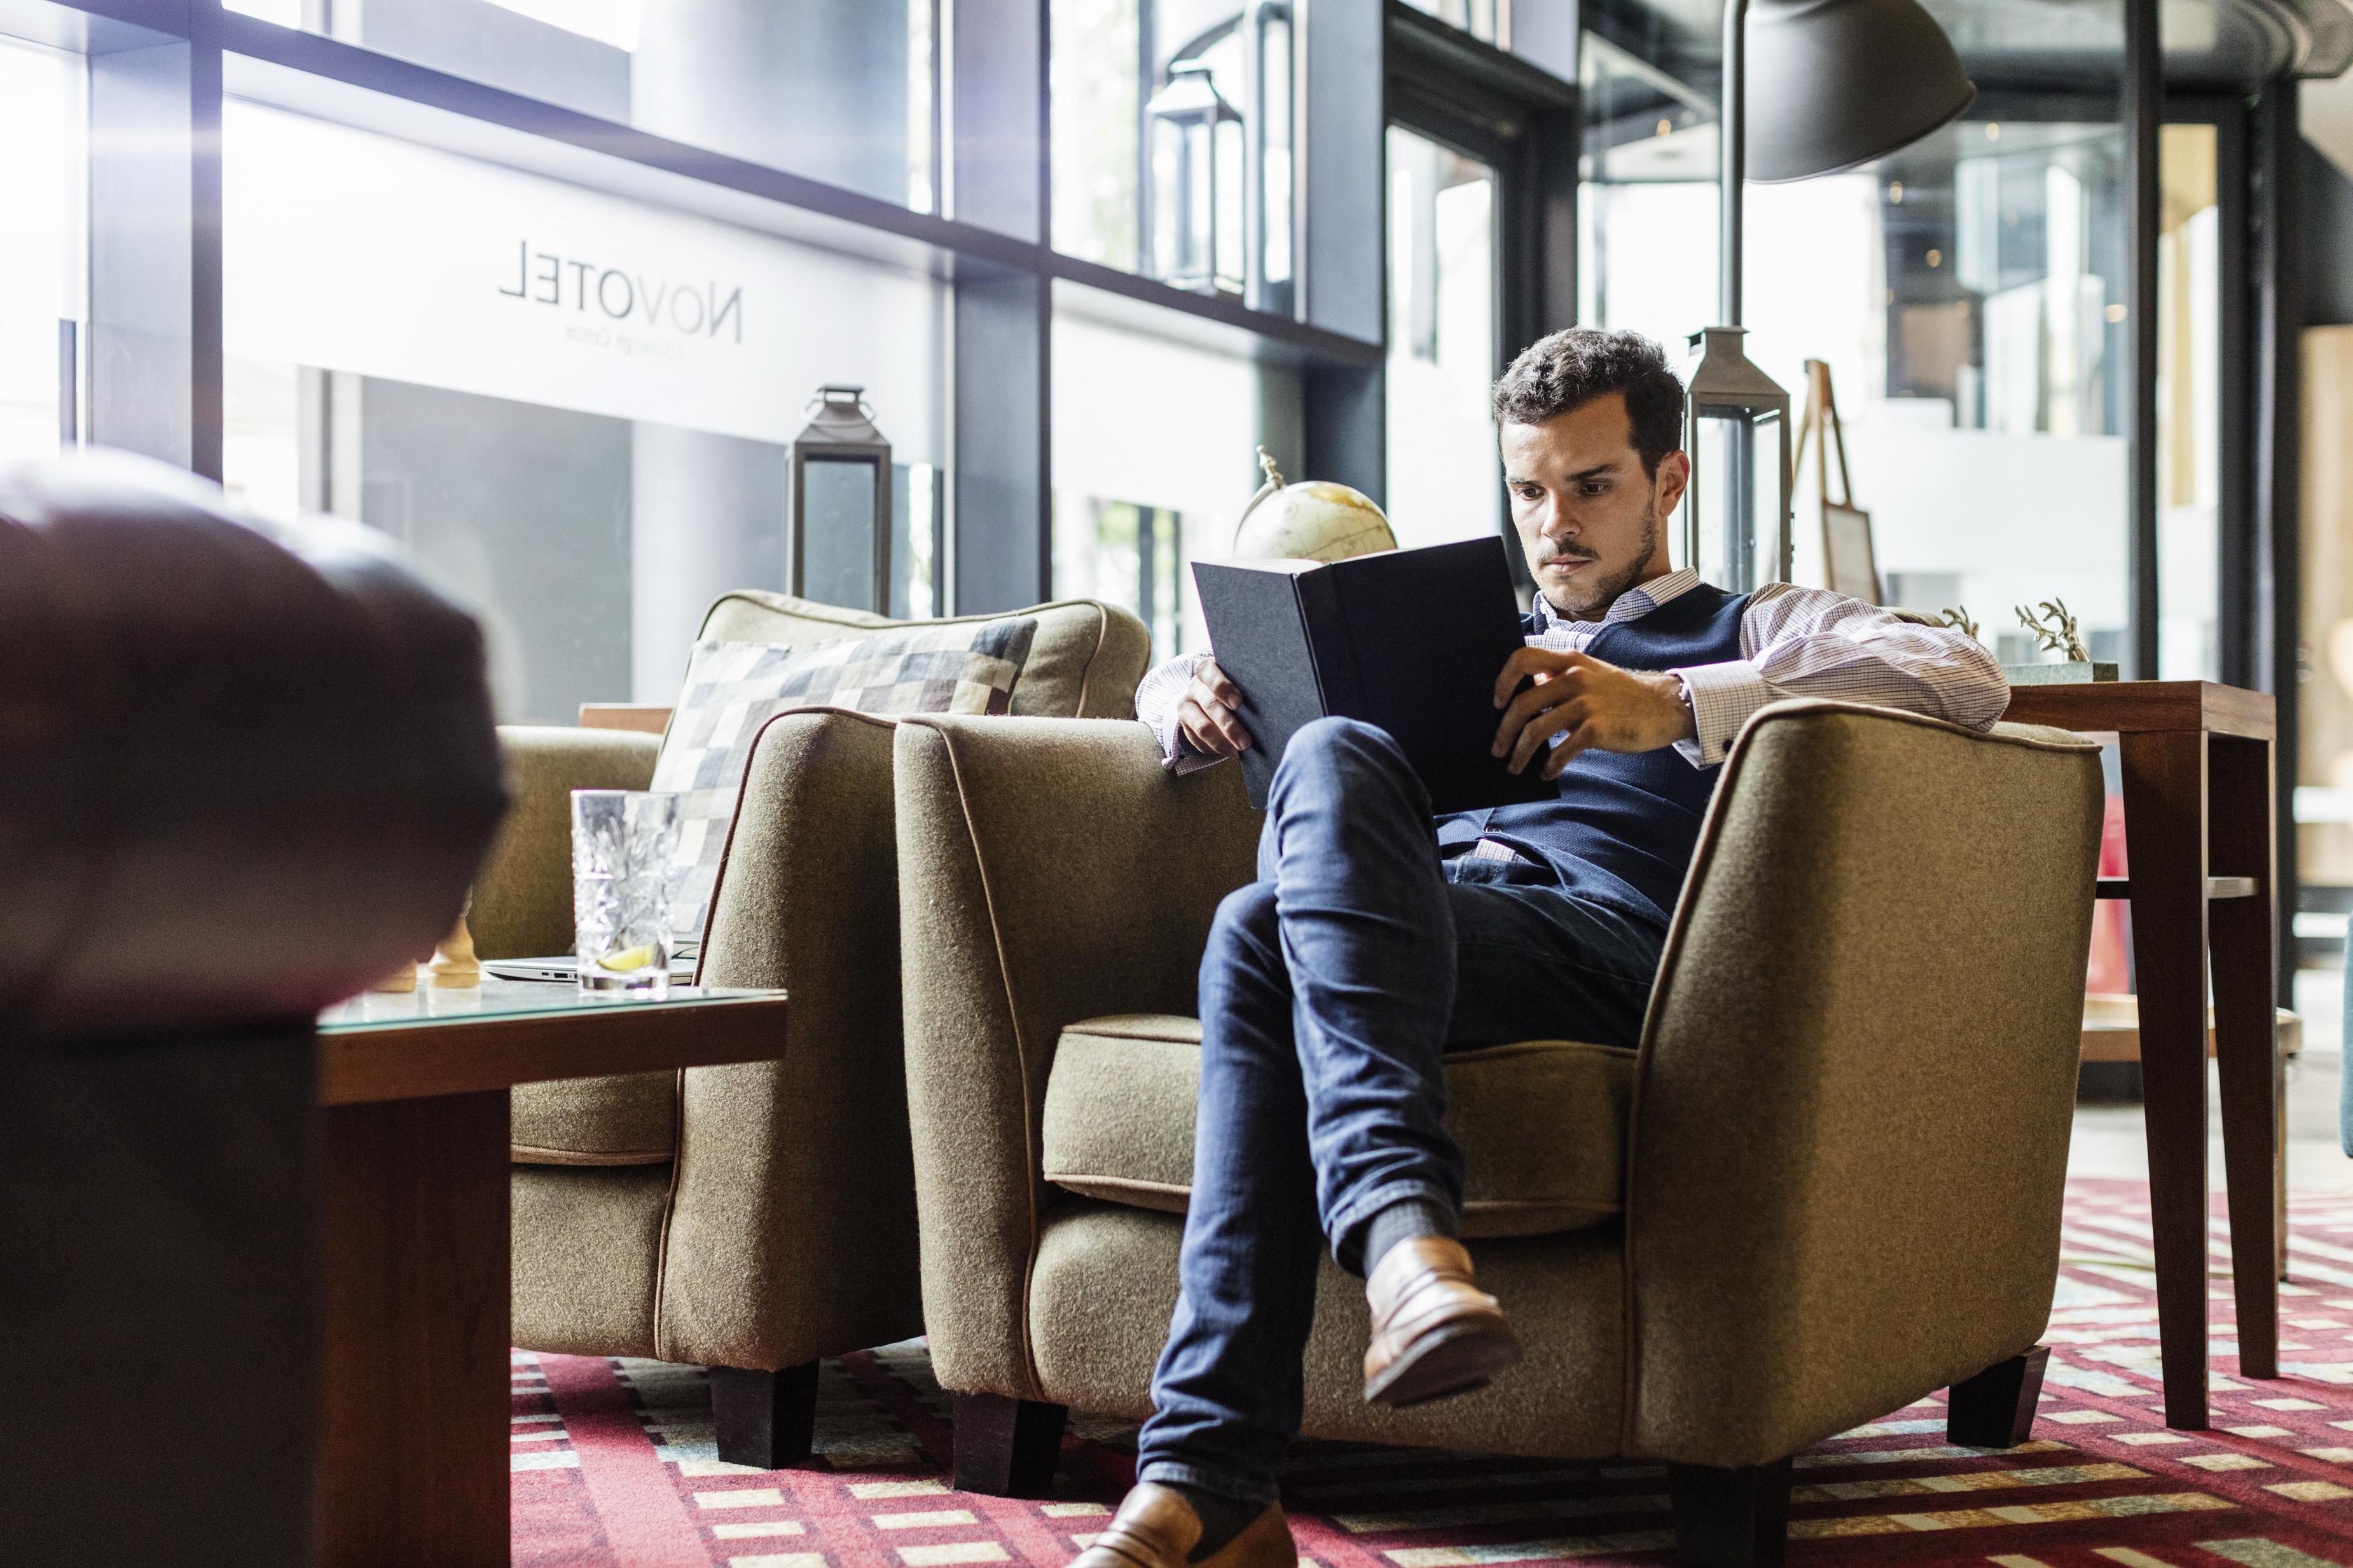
(1563, 373)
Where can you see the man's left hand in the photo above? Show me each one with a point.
(1590, 704)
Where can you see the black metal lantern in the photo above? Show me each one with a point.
(838, 548)
(1196, 160)
(1734, 413)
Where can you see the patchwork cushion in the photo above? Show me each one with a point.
(1083, 663)
(1542, 1123)
(734, 688)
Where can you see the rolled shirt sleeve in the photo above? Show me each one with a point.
(1156, 696)
(1810, 642)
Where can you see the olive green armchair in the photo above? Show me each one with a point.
(750, 1218)
(1827, 1183)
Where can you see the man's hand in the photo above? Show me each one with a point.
(1210, 713)
(1589, 704)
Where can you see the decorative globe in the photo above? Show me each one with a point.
(1311, 521)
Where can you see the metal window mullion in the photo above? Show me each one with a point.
(2143, 111)
(155, 354)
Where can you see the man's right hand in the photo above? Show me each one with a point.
(1210, 713)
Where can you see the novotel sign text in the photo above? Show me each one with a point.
(544, 278)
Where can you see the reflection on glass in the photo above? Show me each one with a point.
(1095, 77)
(43, 117)
(1128, 555)
(1137, 500)
(1154, 107)
(839, 540)
(1444, 482)
(576, 407)
(1967, 295)
(1647, 207)
(1480, 18)
(840, 91)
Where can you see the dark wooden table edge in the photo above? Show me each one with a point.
(2153, 705)
(389, 1062)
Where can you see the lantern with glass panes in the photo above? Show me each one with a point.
(1196, 184)
(1736, 429)
(837, 550)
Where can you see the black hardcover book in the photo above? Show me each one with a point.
(1410, 640)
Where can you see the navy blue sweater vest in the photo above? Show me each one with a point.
(1622, 832)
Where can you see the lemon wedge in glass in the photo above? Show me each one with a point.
(624, 960)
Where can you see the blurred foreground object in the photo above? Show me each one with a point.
(250, 768)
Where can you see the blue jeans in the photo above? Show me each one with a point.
(1330, 989)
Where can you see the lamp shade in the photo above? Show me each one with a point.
(1835, 83)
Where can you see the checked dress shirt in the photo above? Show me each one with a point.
(1794, 641)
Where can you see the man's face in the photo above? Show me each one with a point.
(1587, 514)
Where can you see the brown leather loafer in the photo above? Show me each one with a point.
(1155, 1528)
(1435, 1334)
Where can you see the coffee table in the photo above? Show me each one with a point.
(414, 1448)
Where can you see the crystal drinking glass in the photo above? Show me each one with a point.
(622, 843)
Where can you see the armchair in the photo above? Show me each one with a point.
(1827, 1183)
(750, 1218)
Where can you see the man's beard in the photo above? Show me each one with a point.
(1588, 598)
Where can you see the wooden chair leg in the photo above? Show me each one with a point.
(764, 1419)
(1006, 1448)
(1730, 1519)
(1995, 1409)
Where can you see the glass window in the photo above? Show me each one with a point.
(1967, 294)
(577, 408)
(1444, 481)
(1173, 127)
(1155, 457)
(1096, 72)
(840, 91)
(2323, 798)
(1480, 18)
(43, 114)
(1646, 199)
(2189, 414)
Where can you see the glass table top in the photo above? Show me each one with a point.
(496, 998)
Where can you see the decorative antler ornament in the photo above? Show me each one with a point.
(2055, 630)
(1958, 618)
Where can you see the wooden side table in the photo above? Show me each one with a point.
(2198, 843)
(414, 1445)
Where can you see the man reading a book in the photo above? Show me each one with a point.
(1378, 937)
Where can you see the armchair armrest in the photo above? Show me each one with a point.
(523, 896)
(1049, 870)
(1849, 1140)
(801, 1163)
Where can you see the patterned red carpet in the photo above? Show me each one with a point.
(613, 1464)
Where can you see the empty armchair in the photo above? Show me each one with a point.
(750, 1218)
(1827, 1183)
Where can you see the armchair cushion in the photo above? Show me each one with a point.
(732, 689)
(1083, 663)
(631, 1119)
(1542, 1123)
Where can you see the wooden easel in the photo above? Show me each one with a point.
(1850, 564)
